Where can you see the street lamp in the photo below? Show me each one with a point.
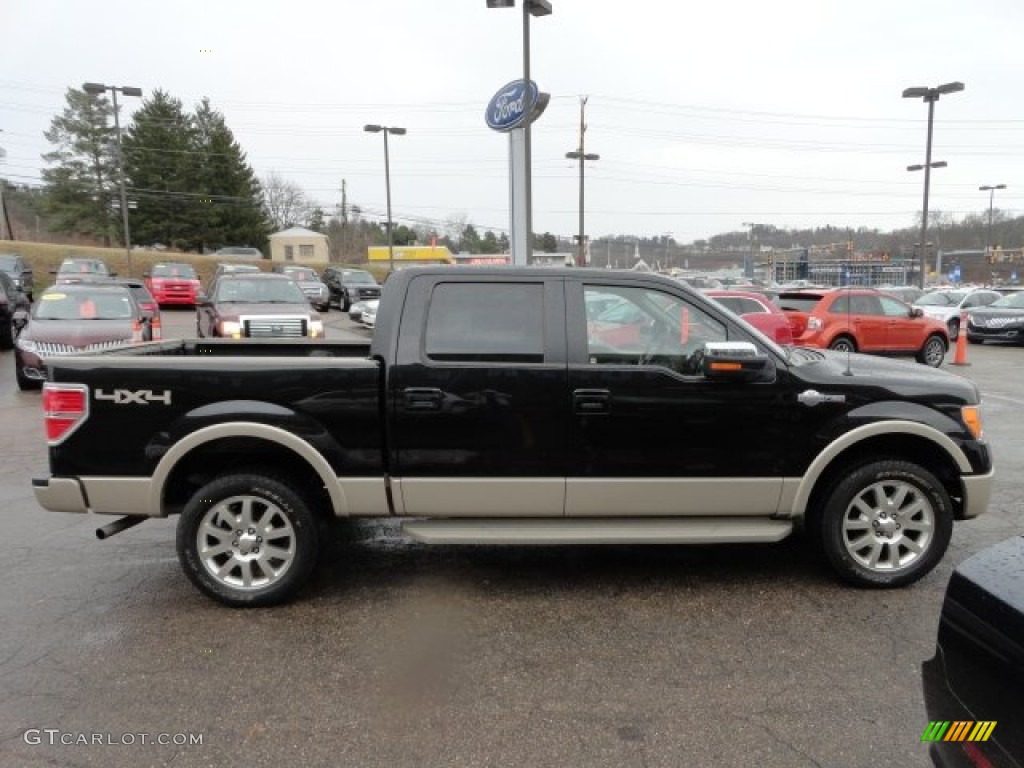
(97, 89)
(582, 155)
(930, 96)
(991, 194)
(387, 183)
(530, 8)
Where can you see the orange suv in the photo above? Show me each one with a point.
(863, 320)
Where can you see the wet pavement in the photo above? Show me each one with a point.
(400, 654)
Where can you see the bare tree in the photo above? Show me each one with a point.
(284, 201)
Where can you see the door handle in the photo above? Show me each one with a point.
(592, 402)
(423, 398)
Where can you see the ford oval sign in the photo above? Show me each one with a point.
(512, 106)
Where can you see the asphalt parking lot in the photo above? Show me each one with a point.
(405, 655)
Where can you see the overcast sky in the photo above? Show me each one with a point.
(706, 115)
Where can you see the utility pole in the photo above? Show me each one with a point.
(581, 155)
(343, 250)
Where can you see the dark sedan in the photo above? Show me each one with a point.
(11, 301)
(19, 271)
(257, 306)
(1002, 320)
(73, 318)
(973, 685)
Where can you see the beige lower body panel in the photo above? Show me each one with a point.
(600, 531)
(480, 497)
(977, 493)
(119, 495)
(61, 494)
(365, 496)
(646, 497)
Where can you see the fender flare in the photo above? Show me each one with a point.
(245, 429)
(822, 461)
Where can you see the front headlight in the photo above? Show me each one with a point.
(27, 345)
(230, 328)
(316, 328)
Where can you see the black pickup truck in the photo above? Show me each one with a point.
(518, 406)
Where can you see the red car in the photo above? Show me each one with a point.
(863, 320)
(758, 310)
(173, 283)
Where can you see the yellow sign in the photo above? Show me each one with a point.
(420, 254)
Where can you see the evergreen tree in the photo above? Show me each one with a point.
(162, 172)
(82, 185)
(235, 216)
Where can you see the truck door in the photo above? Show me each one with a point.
(648, 434)
(477, 397)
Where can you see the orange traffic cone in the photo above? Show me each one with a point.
(960, 358)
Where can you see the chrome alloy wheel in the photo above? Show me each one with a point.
(246, 542)
(888, 526)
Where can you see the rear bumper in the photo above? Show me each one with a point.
(59, 494)
(100, 495)
(977, 493)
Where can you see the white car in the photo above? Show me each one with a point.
(369, 316)
(947, 304)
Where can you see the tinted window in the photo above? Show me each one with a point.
(259, 291)
(799, 303)
(83, 306)
(174, 270)
(893, 308)
(477, 322)
(357, 276)
(9, 263)
(740, 305)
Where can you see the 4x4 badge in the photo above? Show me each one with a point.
(134, 396)
(813, 397)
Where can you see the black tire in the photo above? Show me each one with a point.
(7, 333)
(290, 541)
(905, 546)
(933, 351)
(344, 303)
(953, 327)
(25, 384)
(843, 344)
(325, 308)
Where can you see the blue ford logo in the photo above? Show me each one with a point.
(512, 105)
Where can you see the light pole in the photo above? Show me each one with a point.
(387, 184)
(530, 8)
(991, 195)
(582, 155)
(930, 96)
(95, 89)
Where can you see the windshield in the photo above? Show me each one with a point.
(1012, 301)
(8, 263)
(941, 299)
(83, 306)
(235, 268)
(259, 292)
(81, 267)
(230, 251)
(184, 271)
(357, 276)
(302, 274)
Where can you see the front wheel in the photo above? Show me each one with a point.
(247, 540)
(885, 524)
(933, 351)
(953, 326)
(843, 344)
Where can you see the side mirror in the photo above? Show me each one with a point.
(53, 271)
(113, 274)
(202, 298)
(145, 274)
(26, 272)
(738, 361)
(916, 312)
(19, 320)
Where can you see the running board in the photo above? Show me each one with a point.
(600, 531)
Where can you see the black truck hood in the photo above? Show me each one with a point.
(903, 379)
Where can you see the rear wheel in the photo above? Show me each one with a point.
(885, 524)
(843, 344)
(933, 351)
(248, 540)
(953, 326)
